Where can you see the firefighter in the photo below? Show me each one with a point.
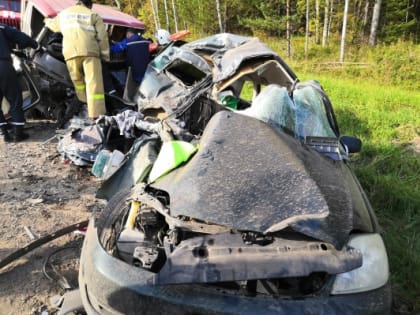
(85, 43)
(9, 84)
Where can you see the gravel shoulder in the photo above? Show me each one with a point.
(39, 194)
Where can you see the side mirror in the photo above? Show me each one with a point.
(352, 144)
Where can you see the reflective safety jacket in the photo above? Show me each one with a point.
(84, 32)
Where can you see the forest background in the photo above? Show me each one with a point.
(366, 54)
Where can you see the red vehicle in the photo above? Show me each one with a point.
(34, 12)
(10, 12)
(45, 79)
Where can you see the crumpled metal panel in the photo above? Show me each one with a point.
(173, 53)
(227, 65)
(225, 257)
(107, 283)
(135, 169)
(250, 176)
(218, 42)
(81, 146)
(229, 51)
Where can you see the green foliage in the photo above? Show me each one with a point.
(200, 17)
(387, 119)
(400, 20)
(270, 19)
(394, 64)
(398, 63)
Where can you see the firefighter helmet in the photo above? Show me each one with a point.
(163, 37)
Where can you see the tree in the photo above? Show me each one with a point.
(399, 19)
(155, 15)
(331, 16)
(326, 23)
(365, 18)
(131, 7)
(375, 22)
(165, 2)
(317, 17)
(219, 15)
(343, 33)
(288, 29)
(307, 30)
(268, 17)
(175, 16)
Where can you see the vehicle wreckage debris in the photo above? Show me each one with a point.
(41, 241)
(52, 273)
(29, 232)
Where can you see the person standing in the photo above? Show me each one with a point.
(9, 84)
(85, 43)
(137, 54)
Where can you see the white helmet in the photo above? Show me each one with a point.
(163, 37)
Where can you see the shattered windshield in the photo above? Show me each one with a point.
(302, 114)
(219, 42)
(173, 63)
(153, 83)
(311, 118)
(162, 59)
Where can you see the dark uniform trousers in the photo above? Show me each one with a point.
(12, 91)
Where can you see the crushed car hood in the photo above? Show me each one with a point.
(229, 52)
(253, 177)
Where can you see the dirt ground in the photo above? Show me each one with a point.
(40, 194)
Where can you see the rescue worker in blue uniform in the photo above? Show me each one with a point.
(137, 54)
(9, 84)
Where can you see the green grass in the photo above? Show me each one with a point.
(379, 103)
(387, 119)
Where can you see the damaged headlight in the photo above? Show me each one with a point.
(374, 272)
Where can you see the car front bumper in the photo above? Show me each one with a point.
(111, 286)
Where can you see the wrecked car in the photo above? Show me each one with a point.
(46, 84)
(10, 13)
(236, 197)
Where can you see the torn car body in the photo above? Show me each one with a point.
(47, 87)
(10, 13)
(240, 200)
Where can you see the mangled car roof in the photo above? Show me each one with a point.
(230, 51)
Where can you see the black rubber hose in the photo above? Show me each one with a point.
(41, 241)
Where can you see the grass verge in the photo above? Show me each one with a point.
(387, 119)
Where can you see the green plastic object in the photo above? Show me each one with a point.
(172, 154)
(230, 101)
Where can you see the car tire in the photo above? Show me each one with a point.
(110, 220)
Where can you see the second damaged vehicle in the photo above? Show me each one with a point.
(47, 88)
(236, 198)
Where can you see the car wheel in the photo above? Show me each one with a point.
(110, 220)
